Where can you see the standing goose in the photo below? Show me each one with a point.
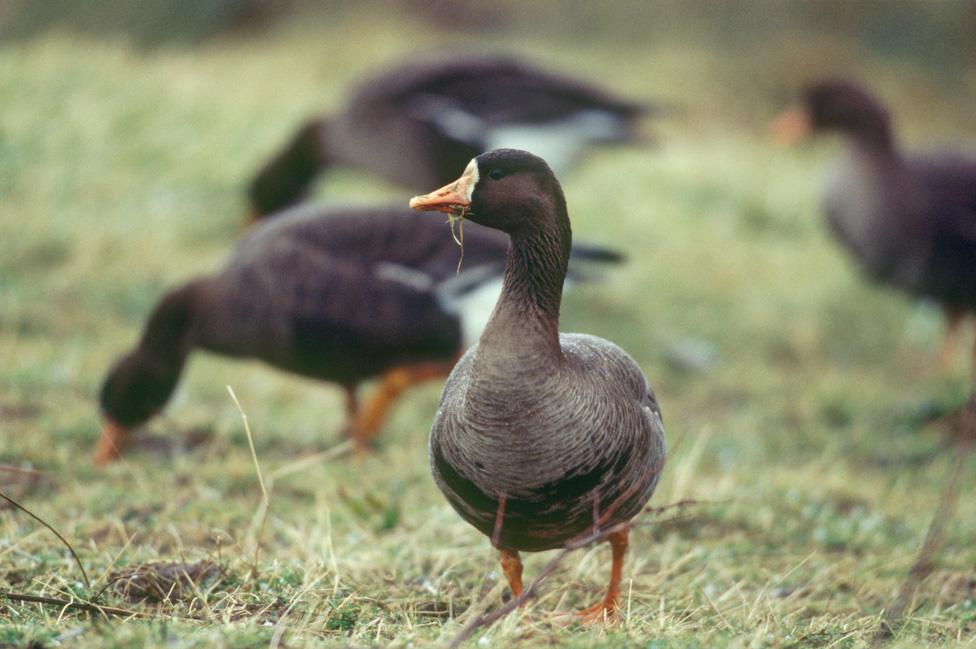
(540, 437)
(417, 123)
(341, 295)
(910, 221)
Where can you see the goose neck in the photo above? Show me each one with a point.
(525, 323)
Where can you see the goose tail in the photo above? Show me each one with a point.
(589, 253)
(596, 253)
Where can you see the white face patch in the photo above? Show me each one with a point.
(471, 171)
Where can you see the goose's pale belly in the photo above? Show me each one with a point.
(851, 205)
(881, 219)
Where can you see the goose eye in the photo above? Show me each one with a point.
(496, 173)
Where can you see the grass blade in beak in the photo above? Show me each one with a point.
(458, 217)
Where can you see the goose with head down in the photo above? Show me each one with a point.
(540, 437)
(341, 295)
(909, 220)
(417, 123)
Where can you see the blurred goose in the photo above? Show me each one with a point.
(341, 295)
(416, 124)
(910, 221)
(540, 437)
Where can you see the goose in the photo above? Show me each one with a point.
(340, 294)
(540, 437)
(908, 220)
(416, 123)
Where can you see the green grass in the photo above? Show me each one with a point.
(121, 172)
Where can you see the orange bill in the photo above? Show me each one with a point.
(111, 443)
(452, 197)
(791, 126)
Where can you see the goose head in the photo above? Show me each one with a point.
(507, 189)
(834, 105)
(136, 388)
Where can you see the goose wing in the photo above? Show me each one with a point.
(470, 99)
(949, 183)
(318, 313)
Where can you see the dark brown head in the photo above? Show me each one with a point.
(284, 180)
(141, 382)
(136, 388)
(836, 105)
(506, 189)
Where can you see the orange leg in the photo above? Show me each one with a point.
(111, 443)
(368, 422)
(608, 607)
(512, 567)
(950, 340)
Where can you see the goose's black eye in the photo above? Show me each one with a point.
(496, 173)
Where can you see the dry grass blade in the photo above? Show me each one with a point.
(262, 514)
(923, 565)
(250, 443)
(458, 218)
(74, 604)
(53, 531)
(339, 450)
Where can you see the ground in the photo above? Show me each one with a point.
(790, 388)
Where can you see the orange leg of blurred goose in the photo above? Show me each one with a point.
(393, 383)
(111, 443)
(512, 567)
(607, 608)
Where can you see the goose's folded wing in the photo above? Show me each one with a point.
(950, 201)
(369, 310)
(471, 100)
(950, 185)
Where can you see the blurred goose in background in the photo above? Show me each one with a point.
(909, 220)
(416, 124)
(541, 437)
(341, 295)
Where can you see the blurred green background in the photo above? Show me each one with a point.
(790, 388)
(916, 30)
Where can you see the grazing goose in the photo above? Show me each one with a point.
(540, 437)
(341, 295)
(910, 221)
(416, 124)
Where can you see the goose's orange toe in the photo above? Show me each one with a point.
(603, 612)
